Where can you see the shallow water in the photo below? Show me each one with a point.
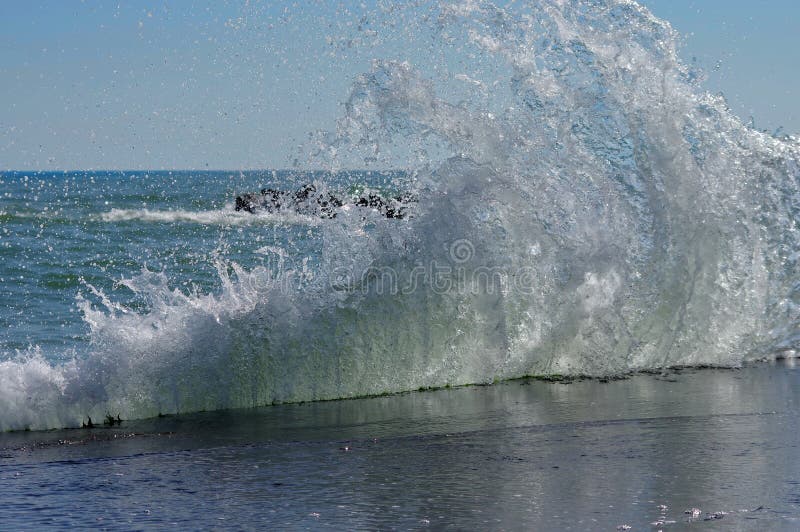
(585, 455)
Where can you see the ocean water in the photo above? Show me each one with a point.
(68, 235)
(585, 208)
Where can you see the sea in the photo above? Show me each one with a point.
(587, 319)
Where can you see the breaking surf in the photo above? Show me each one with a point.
(583, 207)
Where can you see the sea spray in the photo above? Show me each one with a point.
(589, 209)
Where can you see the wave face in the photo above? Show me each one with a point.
(588, 209)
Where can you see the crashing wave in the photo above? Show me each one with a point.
(594, 212)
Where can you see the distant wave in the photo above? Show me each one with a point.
(215, 217)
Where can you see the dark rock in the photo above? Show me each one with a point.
(308, 201)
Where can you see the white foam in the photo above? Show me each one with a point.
(214, 217)
(32, 392)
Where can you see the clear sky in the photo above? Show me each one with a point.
(239, 85)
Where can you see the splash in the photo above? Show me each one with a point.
(586, 209)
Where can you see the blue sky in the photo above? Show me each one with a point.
(750, 51)
(141, 85)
